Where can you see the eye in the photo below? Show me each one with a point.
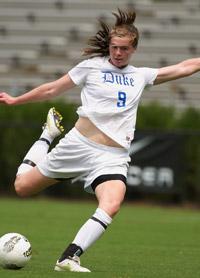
(114, 47)
(124, 48)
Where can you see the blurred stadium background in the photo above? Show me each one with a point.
(41, 40)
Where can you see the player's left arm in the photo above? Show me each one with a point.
(182, 69)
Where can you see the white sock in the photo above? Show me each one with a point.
(92, 229)
(45, 134)
(36, 153)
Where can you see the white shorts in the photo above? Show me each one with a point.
(75, 155)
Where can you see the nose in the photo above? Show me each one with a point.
(118, 51)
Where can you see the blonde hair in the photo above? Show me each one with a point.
(124, 26)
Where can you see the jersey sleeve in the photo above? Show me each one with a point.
(79, 73)
(149, 74)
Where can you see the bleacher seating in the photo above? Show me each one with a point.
(42, 39)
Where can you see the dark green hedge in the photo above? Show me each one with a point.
(21, 126)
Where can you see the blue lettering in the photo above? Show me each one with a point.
(121, 99)
(132, 82)
(125, 80)
(120, 79)
(108, 77)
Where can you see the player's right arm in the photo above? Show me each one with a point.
(180, 70)
(43, 92)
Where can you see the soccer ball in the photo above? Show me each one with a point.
(15, 251)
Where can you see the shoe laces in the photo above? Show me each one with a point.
(57, 119)
(76, 259)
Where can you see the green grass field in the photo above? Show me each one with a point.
(143, 241)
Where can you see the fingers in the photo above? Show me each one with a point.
(5, 98)
(2, 96)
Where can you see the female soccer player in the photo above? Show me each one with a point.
(98, 144)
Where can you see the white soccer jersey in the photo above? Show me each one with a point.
(110, 96)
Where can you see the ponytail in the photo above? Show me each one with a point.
(124, 26)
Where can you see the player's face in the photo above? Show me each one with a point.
(120, 50)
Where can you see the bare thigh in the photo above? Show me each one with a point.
(110, 195)
(32, 182)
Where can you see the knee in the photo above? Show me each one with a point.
(21, 187)
(111, 207)
(115, 207)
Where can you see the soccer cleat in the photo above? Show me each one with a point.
(70, 264)
(53, 123)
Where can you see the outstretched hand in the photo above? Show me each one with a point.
(6, 99)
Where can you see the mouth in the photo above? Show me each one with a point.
(118, 62)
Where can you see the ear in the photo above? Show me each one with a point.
(133, 50)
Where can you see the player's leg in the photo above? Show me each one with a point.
(110, 195)
(29, 180)
(32, 182)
